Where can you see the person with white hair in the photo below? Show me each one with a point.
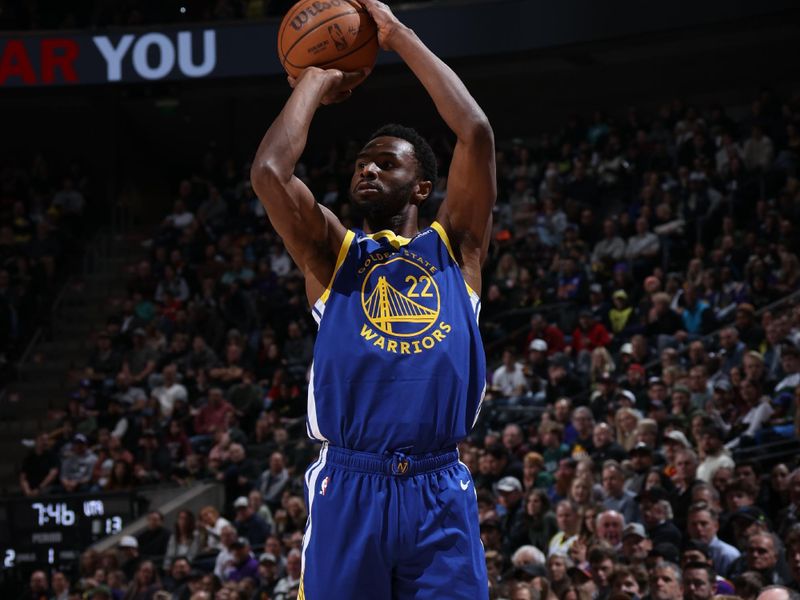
(527, 555)
(609, 525)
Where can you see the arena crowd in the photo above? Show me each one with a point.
(641, 317)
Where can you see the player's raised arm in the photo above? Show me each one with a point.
(471, 185)
(311, 233)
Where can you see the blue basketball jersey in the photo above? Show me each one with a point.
(398, 361)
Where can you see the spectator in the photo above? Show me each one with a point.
(184, 541)
(39, 468)
(291, 581)
(617, 498)
(273, 480)
(250, 525)
(77, 465)
(243, 565)
(702, 526)
(154, 539)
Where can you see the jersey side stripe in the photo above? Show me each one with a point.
(343, 249)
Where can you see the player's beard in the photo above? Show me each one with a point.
(385, 211)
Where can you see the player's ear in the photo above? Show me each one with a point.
(422, 190)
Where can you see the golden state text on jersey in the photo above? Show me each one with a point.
(398, 361)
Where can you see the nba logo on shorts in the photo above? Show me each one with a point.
(323, 486)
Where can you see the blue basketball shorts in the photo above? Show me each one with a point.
(391, 527)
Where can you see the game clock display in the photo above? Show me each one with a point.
(52, 530)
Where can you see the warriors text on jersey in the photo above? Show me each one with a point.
(398, 361)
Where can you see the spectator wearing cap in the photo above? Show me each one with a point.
(267, 575)
(509, 378)
(657, 516)
(129, 552)
(616, 497)
(636, 544)
(510, 495)
(620, 315)
(536, 365)
(243, 564)
(248, 524)
(560, 382)
(656, 394)
(77, 465)
(747, 521)
(602, 399)
(154, 539)
(604, 447)
(703, 525)
(714, 451)
(641, 461)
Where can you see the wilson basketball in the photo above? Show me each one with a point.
(330, 34)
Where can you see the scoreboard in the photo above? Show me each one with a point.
(53, 531)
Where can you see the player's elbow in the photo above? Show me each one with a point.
(265, 176)
(478, 131)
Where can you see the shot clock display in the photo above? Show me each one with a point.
(55, 529)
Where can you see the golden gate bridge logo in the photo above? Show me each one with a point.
(408, 305)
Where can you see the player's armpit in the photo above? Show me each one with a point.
(311, 233)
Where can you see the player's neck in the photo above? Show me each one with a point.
(403, 224)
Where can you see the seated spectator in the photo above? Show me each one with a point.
(154, 539)
(211, 523)
(243, 564)
(288, 584)
(249, 524)
(184, 541)
(77, 465)
(273, 481)
(509, 378)
(39, 468)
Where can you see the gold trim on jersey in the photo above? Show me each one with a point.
(397, 241)
(436, 226)
(343, 249)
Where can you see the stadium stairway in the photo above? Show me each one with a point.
(53, 362)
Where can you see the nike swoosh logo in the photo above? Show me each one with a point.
(464, 486)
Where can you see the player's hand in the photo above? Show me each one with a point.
(384, 18)
(338, 85)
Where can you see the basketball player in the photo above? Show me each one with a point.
(399, 369)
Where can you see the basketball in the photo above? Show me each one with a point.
(329, 34)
